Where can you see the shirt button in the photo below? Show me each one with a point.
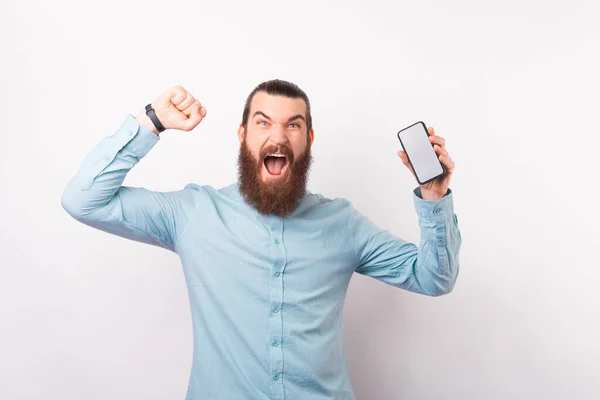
(276, 273)
(276, 377)
(440, 240)
(436, 211)
(275, 343)
(275, 309)
(276, 241)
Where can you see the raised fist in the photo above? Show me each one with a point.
(175, 109)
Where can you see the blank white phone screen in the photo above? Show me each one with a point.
(420, 152)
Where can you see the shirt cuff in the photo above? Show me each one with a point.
(137, 139)
(437, 210)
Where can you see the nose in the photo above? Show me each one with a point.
(278, 134)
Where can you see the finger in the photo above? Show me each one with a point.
(448, 163)
(440, 150)
(194, 119)
(187, 102)
(188, 111)
(437, 140)
(431, 131)
(178, 94)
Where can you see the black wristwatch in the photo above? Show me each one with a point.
(150, 113)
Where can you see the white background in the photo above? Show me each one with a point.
(513, 86)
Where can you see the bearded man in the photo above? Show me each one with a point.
(267, 262)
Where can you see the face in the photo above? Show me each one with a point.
(274, 156)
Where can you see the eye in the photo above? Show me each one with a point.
(260, 122)
(294, 124)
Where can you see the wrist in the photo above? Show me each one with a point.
(432, 195)
(146, 122)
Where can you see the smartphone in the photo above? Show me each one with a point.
(421, 156)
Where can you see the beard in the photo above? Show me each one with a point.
(279, 197)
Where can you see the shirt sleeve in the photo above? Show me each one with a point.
(430, 268)
(95, 197)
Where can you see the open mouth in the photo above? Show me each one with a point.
(276, 164)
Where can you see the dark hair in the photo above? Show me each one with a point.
(278, 87)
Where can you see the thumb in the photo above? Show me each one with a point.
(404, 158)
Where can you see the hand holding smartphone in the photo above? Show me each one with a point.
(419, 150)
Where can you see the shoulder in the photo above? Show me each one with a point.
(201, 199)
(329, 205)
(320, 198)
(196, 191)
(205, 189)
(213, 194)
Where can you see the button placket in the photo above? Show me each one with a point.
(275, 335)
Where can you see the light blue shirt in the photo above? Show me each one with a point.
(266, 293)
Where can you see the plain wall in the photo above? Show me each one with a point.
(513, 86)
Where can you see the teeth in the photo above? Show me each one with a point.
(276, 155)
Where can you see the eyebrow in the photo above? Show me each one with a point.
(289, 119)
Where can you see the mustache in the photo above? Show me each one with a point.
(277, 149)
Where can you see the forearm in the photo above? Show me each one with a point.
(103, 170)
(437, 262)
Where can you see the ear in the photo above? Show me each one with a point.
(311, 137)
(241, 133)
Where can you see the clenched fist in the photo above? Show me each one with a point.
(175, 109)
